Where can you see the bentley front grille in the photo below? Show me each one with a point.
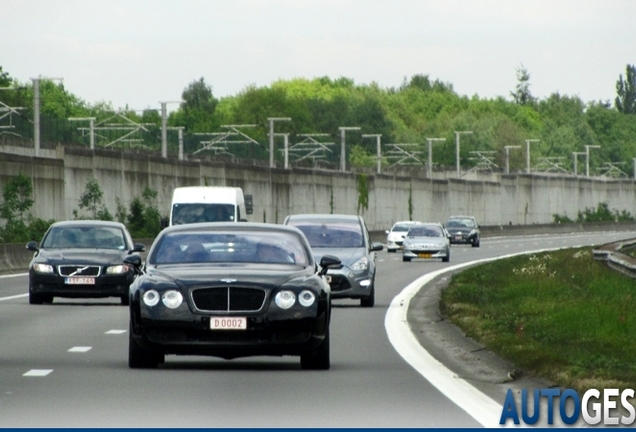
(229, 299)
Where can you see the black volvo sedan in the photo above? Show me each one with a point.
(82, 259)
(230, 290)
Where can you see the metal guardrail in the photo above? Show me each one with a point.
(615, 258)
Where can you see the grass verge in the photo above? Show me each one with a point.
(558, 315)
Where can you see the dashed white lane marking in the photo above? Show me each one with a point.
(80, 349)
(115, 331)
(13, 297)
(38, 372)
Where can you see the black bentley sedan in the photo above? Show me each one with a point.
(230, 290)
(82, 259)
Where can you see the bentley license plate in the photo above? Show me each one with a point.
(424, 255)
(228, 323)
(79, 281)
(458, 237)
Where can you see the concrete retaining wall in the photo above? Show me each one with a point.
(522, 199)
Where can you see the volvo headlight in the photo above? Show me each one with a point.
(150, 298)
(117, 269)
(285, 299)
(43, 268)
(361, 264)
(306, 298)
(172, 299)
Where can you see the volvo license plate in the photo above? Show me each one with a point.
(79, 281)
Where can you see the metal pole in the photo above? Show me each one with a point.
(378, 151)
(342, 150)
(343, 161)
(587, 158)
(271, 143)
(164, 127)
(528, 141)
(457, 133)
(507, 148)
(36, 116)
(92, 132)
(634, 160)
(164, 130)
(457, 154)
(507, 159)
(576, 162)
(286, 136)
(430, 155)
(430, 158)
(271, 137)
(180, 143)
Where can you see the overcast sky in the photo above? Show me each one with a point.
(140, 52)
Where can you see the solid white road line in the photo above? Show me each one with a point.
(477, 404)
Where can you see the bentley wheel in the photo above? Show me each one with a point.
(319, 359)
(141, 358)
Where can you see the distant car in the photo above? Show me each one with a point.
(426, 240)
(82, 259)
(395, 236)
(347, 237)
(230, 290)
(463, 230)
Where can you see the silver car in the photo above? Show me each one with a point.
(426, 240)
(347, 238)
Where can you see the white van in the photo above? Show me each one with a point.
(192, 204)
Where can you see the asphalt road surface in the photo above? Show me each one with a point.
(65, 364)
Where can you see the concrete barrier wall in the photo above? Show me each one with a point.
(522, 199)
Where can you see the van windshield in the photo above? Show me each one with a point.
(185, 213)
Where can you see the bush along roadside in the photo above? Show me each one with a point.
(557, 315)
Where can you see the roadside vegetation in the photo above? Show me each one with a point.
(601, 213)
(141, 217)
(559, 315)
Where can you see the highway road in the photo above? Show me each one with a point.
(65, 364)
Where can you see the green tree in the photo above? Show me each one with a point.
(17, 199)
(20, 225)
(198, 107)
(5, 79)
(626, 91)
(522, 95)
(91, 201)
(144, 220)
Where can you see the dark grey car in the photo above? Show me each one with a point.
(346, 237)
(463, 230)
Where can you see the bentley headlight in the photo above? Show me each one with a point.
(150, 298)
(361, 264)
(118, 269)
(172, 299)
(285, 299)
(43, 268)
(306, 298)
